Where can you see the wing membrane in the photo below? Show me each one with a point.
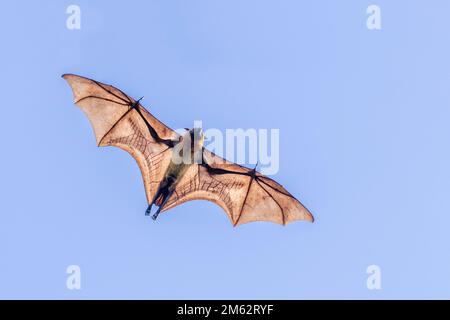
(244, 194)
(118, 120)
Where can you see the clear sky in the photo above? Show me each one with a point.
(364, 144)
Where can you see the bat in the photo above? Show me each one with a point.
(121, 121)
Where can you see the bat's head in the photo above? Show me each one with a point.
(197, 137)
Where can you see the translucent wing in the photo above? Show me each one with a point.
(244, 194)
(119, 120)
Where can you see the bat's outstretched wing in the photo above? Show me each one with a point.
(119, 120)
(244, 194)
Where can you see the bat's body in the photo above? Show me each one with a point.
(190, 144)
(177, 168)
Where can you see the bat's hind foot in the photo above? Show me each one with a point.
(148, 212)
(156, 213)
(149, 209)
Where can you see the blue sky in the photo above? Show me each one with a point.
(363, 118)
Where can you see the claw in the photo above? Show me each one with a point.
(149, 209)
(157, 213)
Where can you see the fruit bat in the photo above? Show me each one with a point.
(244, 194)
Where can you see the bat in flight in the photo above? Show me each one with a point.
(244, 194)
